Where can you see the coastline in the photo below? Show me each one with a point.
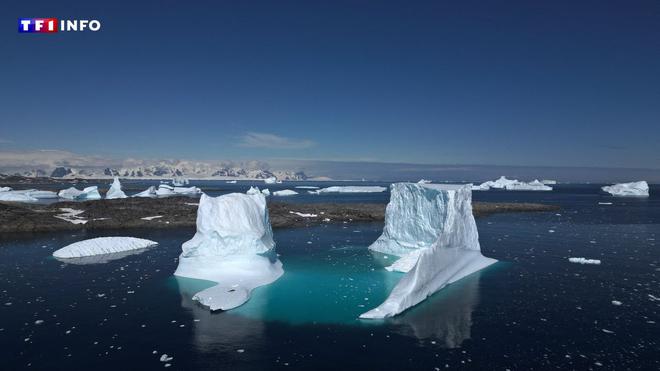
(174, 212)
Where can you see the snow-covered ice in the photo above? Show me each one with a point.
(512, 185)
(72, 193)
(432, 228)
(584, 261)
(271, 180)
(71, 215)
(424, 181)
(637, 189)
(285, 192)
(232, 231)
(115, 190)
(350, 189)
(102, 245)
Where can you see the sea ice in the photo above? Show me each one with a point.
(115, 190)
(432, 228)
(639, 189)
(350, 189)
(89, 193)
(102, 245)
(285, 192)
(233, 231)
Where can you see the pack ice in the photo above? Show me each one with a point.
(628, 189)
(432, 229)
(72, 193)
(231, 248)
(102, 245)
(115, 190)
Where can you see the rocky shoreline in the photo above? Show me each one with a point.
(182, 211)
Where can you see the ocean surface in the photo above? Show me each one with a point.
(534, 310)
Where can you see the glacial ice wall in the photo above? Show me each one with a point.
(233, 235)
(432, 228)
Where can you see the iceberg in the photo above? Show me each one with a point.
(265, 192)
(180, 181)
(231, 182)
(424, 181)
(584, 261)
(115, 190)
(187, 190)
(102, 245)
(165, 190)
(149, 192)
(16, 196)
(5, 189)
(549, 182)
(89, 193)
(233, 247)
(349, 189)
(271, 180)
(638, 189)
(432, 229)
(531, 186)
(253, 191)
(285, 192)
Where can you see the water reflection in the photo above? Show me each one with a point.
(445, 316)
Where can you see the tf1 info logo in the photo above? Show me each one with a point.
(52, 25)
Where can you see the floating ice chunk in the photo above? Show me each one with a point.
(147, 193)
(180, 181)
(89, 193)
(253, 191)
(605, 203)
(232, 230)
(436, 223)
(115, 190)
(424, 181)
(151, 217)
(265, 192)
(303, 215)
(350, 189)
(534, 185)
(285, 192)
(71, 215)
(231, 182)
(616, 302)
(638, 189)
(584, 261)
(271, 180)
(549, 182)
(187, 190)
(102, 245)
(307, 187)
(5, 189)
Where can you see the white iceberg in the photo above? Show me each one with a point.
(16, 196)
(115, 191)
(232, 231)
(350, 189)
(271, 180)
(531, 186)
(89, 193)
(424, 181)
(147, 193)
(253, 191)
(5, 189)
(231, 182)
(285, 192)
(165, 190)
(265, 192)
(180, 181)
(432, 228)
(638, 189)
(102, 245)
(549, 182)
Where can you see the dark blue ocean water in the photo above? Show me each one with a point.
(533, 310)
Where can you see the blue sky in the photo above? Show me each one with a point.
(526, 83)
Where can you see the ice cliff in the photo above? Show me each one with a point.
(628, 189)
(115, 190)
(432, 229)
(231, 247)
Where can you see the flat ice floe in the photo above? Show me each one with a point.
(432, 229)
(633, 189)
(233, 231)
(89, 193)
(285, 192)
(115, 190)
(102, 245)
(512, 185)
(350, 189)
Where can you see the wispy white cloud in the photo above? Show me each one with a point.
(266, 140)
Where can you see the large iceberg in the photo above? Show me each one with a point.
(115, 191)
(432, 229)
(350, 189)
(89, 193)
(639, 189)
(512, 185)
(233, 247)
(102, 245)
